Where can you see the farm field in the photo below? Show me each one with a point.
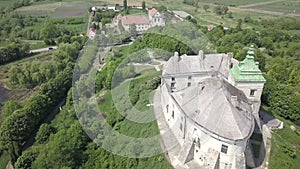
(56, 10)
(233, 2)
(280, 6)
(6, 3)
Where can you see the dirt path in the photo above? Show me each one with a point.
(259, 3)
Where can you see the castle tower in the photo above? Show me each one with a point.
(247, 77)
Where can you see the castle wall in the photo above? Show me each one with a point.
(185, 128)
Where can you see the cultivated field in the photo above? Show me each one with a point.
(71, 9)
(39, 10)
(56, 10)
(281, 6)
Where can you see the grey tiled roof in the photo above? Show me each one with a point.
(194, 63)
(209, 105)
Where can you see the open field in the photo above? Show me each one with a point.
(71, 9)
(233, 2)
(280, 6)
(39, 10)
(6, 3)
(56, 10)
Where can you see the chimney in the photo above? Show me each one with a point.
(177, 56)
(201, 55)
(230, 55)
(234, 101)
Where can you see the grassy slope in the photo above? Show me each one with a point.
(4, 158)
(133, 129)
(279, 158)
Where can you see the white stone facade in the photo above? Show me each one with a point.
(204, 137)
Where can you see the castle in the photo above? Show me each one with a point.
(210, 102)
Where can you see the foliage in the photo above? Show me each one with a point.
(144, 5)
(18, 126)
(9, 107)
(13, 51)
(206, 7)
(221, 9)
(44, 132)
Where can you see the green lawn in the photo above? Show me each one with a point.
(284, 143)
(4, 158)
(7, 3)
(281, 6)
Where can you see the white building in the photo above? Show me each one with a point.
(91, 33)
(156, 18)
(141, 22)
(210, 103)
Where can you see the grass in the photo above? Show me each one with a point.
(6, 3)
(56, 9)
(36, 44)
(280, 157)
(281, 6)
(4, 159)
(233, 2)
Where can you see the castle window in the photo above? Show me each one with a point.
(224, 149)
(252, 91)
(172, 84)
(189, 84)
(173, 114)
(189, 77)
(167, 108)
(173, 78)
(180, 126)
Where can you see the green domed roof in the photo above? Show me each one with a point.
(247, 70)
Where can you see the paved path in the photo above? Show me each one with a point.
(43, 49)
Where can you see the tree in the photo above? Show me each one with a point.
(239, 25)
(144, 5)
(49, 32)
(125, 4)
(44, 132)
(230, 14)
(25, 160)
(206, 7)
(9, 107)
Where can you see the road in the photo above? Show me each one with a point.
(43, 49)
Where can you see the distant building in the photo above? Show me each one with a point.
(141, 22)
(104, 7)
(91, 33)
(210, 103)
(156, 18)
(210, 27)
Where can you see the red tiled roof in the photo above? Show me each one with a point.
(152, 11)
(92, 30)
(135, 19)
